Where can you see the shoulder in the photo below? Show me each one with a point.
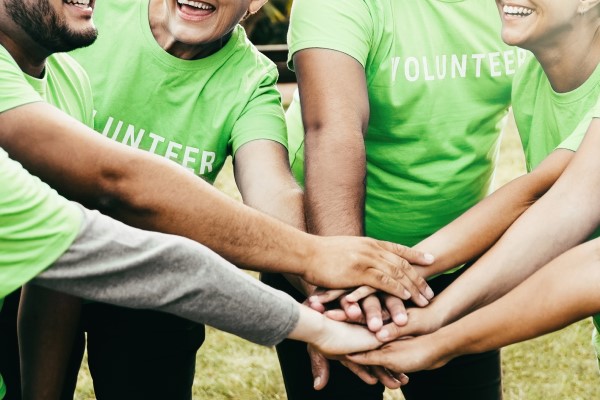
(528, 76)
(248, 59)
(69, 68)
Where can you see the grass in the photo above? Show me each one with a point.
(557, 366)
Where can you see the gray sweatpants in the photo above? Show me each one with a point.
(111, 262)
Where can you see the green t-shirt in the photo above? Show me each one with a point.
(2, 385)
(36, 224)
(194, 112)
(548, 120)
(439, 82)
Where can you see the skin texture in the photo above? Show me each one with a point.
(547, 229)
(551, 31)
(122, 182)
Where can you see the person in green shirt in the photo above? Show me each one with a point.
(186, 85)
(537, 277)
(395, 134)
(121, 181)
(62, 246)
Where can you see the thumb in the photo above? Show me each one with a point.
(319, 366)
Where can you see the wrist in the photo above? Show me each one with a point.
(310, 326)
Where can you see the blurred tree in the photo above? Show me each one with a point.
(270, 24)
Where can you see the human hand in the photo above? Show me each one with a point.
(342, 262)
(363, 305)
(408, 355)
(419, 321)
(370, 375)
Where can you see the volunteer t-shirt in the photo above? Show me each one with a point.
(36, 224)
(546, 118)
(439, 82)
(194, 112)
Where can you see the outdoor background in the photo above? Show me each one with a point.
(558, 366)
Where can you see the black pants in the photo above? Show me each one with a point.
(132, 354)
(471, 377)
(9, 347)
(136, 354)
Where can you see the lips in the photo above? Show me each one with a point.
(195, 10)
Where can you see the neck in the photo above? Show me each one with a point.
(569, 64)
(158, 21)
(190, 52)
(29, 55)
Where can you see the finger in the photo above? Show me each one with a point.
(360, 293)
(386, 378)
(327, 296)
(402, 378)
(336, 315)
(372, 309)
(317, 307)
(319, 366)
(353, 311)
(392, 331)
(409, 254)
(401, 257)
(408, 276)
(361, 371)
(373, 357)
(395, 306)
(379, 280)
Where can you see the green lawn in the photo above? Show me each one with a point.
(557, 366)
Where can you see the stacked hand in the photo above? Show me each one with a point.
(386, 316)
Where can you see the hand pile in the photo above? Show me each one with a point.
(395, 326)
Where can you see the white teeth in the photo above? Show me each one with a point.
(197, 4)
(520, 11)
(78, 2)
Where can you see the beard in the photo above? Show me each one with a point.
(42, 23)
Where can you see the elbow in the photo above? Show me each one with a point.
(119, 189)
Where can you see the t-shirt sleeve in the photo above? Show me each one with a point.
(15, 89)
(342, 25)
(262, 117)
(573, 141)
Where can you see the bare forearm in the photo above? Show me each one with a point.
(474, 232)
(44, 358)
(146, 191)
(335, 174)
(561, 219)
(335, 113)
(559, 294)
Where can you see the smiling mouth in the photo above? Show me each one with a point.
(517, 11)
(195, 7)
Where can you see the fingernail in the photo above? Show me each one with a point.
(383, 334)
(404, 379)
(354, 308)
(400, 318)
(407, 294)
(423, 299)
(313, 299)
(429, 257)
(375, 323)
(317, 382)
(429, 293)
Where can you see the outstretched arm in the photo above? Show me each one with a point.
(150, 192)
(561, 219)
(474, 232)
(564, 291)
